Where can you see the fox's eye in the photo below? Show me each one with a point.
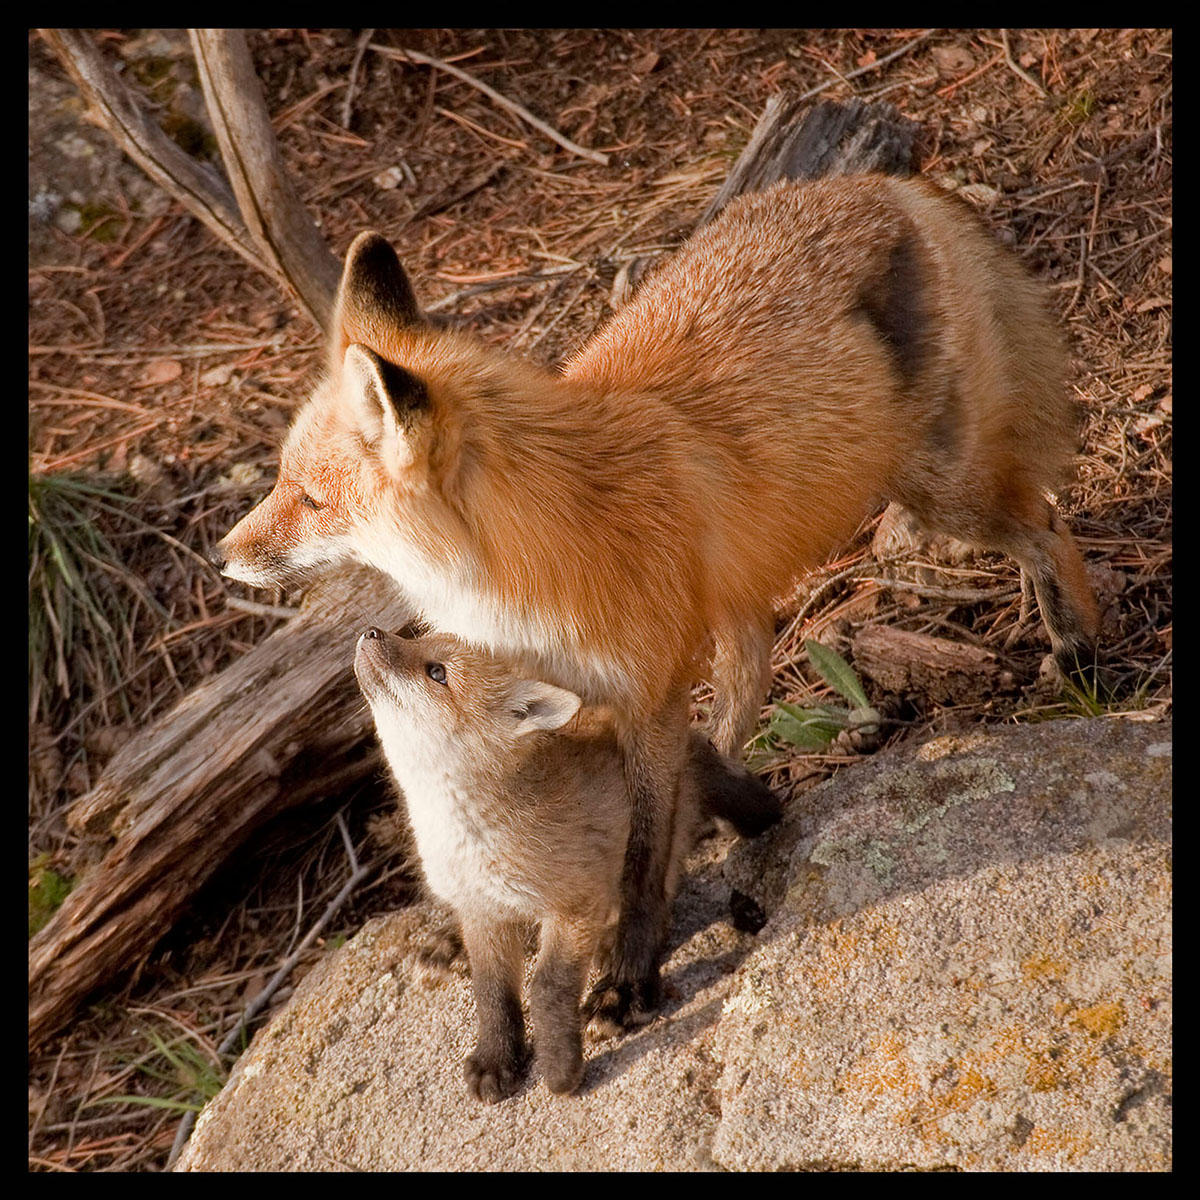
(436, 672)
(309, 502)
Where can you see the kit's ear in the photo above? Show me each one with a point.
(391, 405)
(536, 705)
(373, 297)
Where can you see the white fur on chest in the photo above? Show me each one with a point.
(468, 856)
(467, 862)
(451, 598)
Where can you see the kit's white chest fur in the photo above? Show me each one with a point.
(470, 859)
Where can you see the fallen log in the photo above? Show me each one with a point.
(282, 726)
(948, 672)
(286, 723)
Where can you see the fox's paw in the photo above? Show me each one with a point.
(493, 1078)
(612, 1008)
(1079, 664)
(443, 950)
(563, 1072)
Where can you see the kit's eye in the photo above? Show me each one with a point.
(436, 672)
(309, 502)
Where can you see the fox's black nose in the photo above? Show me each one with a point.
(216, 556)
(373, 633)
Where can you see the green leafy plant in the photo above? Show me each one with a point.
(813, 728)
(1078, 108)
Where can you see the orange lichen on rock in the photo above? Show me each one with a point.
(1042, 966)
(885, 1069)
(1101, 1019)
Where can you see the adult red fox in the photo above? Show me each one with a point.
(627, 522)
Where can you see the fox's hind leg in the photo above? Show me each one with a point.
(655, 751)
(1020, 522)
(741, 678)
(900, 532)
(1051, 559)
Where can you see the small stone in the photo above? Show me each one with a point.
(160, 371)
(68, 220)
(242, 476)
(145, 470)
(217, 376)
(388, 178)
(74, 146)
(979, 193)
(44, 204)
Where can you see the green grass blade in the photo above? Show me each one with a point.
(148, 1102)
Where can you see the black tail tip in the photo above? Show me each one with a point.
(730, 792)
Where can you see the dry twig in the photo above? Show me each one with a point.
(1016, 68)
(871, 66)
(519, 110)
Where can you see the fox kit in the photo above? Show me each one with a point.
(518, 802)
(625, 522)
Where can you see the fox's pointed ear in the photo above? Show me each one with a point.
(373, 297)
(388, 402)
(537, 705)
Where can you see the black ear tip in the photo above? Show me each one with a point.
(374, 286)
(369, 249)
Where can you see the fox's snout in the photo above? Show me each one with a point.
(380, 656)
(374, 658)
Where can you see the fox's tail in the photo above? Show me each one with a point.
(727, 790)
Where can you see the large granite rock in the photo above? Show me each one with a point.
(965, 964)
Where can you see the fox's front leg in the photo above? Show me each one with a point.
(495, 1068)
(654, 754)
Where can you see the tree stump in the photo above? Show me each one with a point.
(794, 140)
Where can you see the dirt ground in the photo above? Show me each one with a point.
(164, 370)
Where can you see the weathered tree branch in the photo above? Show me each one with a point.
(273, 230)
(114, 107)
(282, 227)
(950, 672)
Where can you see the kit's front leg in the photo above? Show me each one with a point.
(565, 955)
(495, 1068)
